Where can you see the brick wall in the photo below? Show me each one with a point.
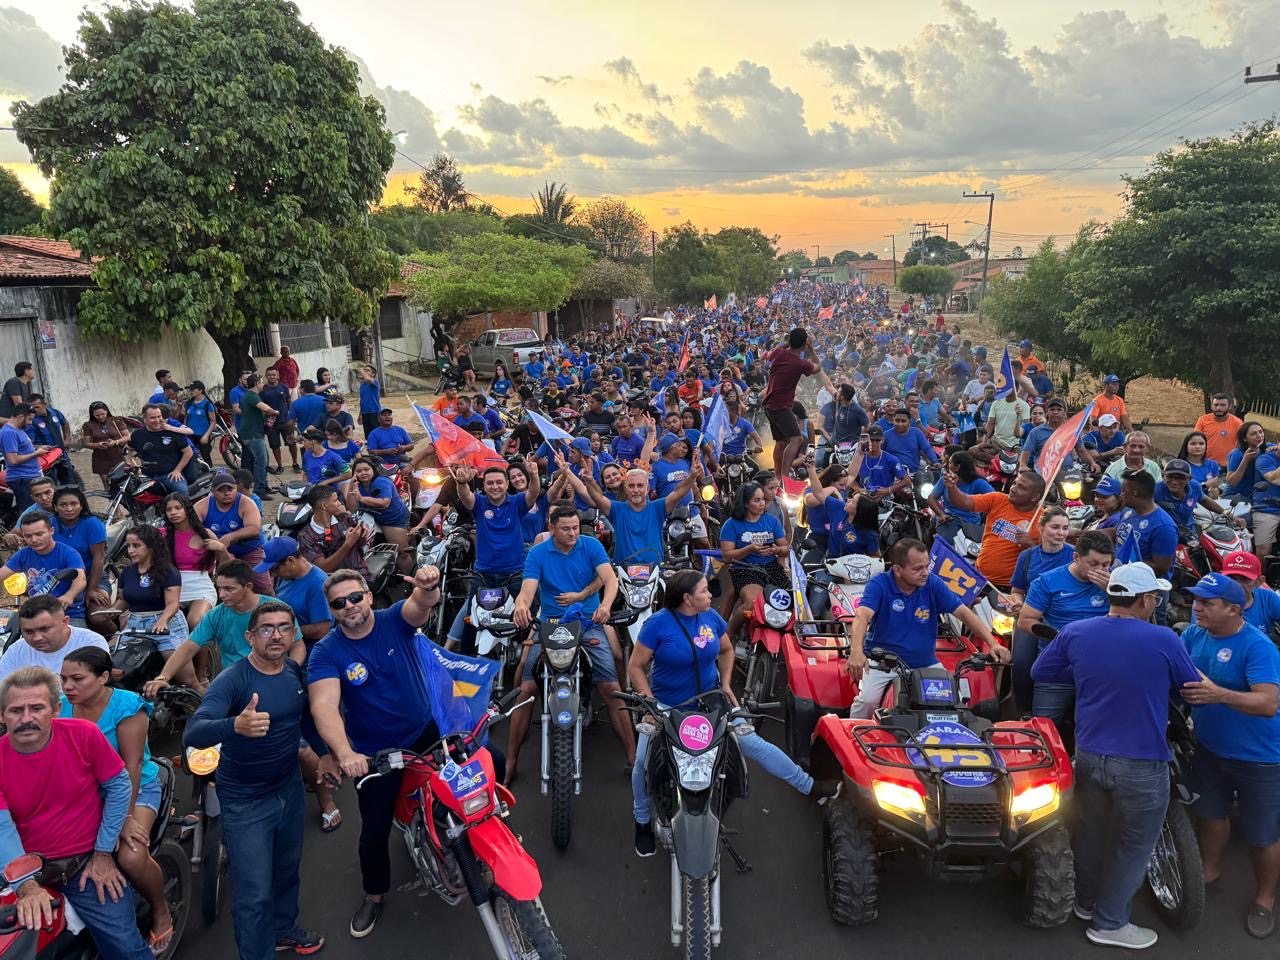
(471, 328)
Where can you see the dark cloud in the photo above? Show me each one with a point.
(30, 68)
(404, 112)
(625, 70)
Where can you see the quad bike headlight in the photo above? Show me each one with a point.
(694, 772)
(776, 618)
(1033, 803)
(561, 659)
(1002, 624)
(905, 801)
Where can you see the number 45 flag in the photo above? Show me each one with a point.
(956, 572)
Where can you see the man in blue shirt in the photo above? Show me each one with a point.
(535, 369)
(1107, 442)
(494, 428)
(162, 377)
(1178, 495)
(466, 417)
(1123, 669)
(560, 572)
(201, 416)
(370, 399)
(900, 611)
(879, 473)
(908, 444)
(930, 409)
(333, 411)
(42, 559)
(367, 695)
(1266, 502)
(300, 584)
(1153, 530)
(637, 520)
(843, 419)
(1261, 603)
(390, 442)
(307, 410)
(22, 457)
(738, 430)
(1033, 442)
(628, 444)
(1237, 758)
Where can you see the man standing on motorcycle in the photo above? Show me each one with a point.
(1237, 758)
(256, 711)
(1010, 526)
(787, 366)
(367, 695)
(843, 420)
(899, 612)
(1124, 670)
(64, 794)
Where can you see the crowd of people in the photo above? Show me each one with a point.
(310, 681)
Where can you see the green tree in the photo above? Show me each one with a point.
(870, 255)
(18, 209)
(844, 256)
(553, 206)
(926, 281)
(794, 259)
(622, 232)
(822, 262)
(440, 187)
(407, 229)
(496, 272)
(606, 280)
(692, 264)
(526, 225)
(220, 160)
(1184, 283)
(938, 251)
(746, 258)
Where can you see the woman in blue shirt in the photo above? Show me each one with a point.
(1195, 446)
(501, 385)
(377, 494)
(535, 521)
(751, 542)
(1251, 440)
(1052, 551)
(336, 440)
(319, 463)
(832, 482)
(121, 715)
(687, 646)
(75, 525)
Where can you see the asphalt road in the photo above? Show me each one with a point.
(604, 901)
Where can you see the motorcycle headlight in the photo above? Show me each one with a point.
(638, 598)
(678, 528)
(926, 490)
(203, 762)
(1002, 624)
(776, 618)
(734, 470)
(791, 503)
(708, 491)
(694, 772)
(484, 618)
(560, 659)
(1071, 489)
(1034, 803)
(906, 801)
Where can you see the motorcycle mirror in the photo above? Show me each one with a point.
(15, 584)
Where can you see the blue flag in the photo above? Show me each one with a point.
(800, 586)
(660, 402)
(960, 576)
(716, 425)
(548, 429)
(457, 687)
(1129, 550)
(1004, 376)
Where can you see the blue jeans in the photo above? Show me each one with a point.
(113, 925)
(170, 485)
(21, 488)
(1053, 700)
(753, 746)
(255, 450)
(1120, 807)
(264, 844)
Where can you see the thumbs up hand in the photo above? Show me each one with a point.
(252, 723)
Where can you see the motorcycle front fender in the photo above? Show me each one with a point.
(513, 869)
(696, 839)
(563, 704)
(485, 642)
(768, 637)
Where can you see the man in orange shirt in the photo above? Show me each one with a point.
(690, 391)
(1110, 401)
(1011, 525)
(1027, 358)
(1220, 428)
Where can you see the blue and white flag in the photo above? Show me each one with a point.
(716, 425)
(548, 429)
(457, 687)
(960, 576)
(1004, 376)
(1129, 550)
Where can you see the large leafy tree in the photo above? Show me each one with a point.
(221, 161)
(926, 281)
(935, 251)
(1184, 284)
(692, 265)
(844, 256)
(440, 187)
(18, 209)
(409, 229)
(621, 231)
(605, 280)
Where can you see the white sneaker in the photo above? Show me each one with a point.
(1130, 936)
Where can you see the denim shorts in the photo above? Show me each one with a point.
(603, 669)
(149, 796)
(178, 630)
(1255, 786)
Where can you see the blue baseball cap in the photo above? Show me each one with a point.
(582, 445)
(1025, 343)
(1110, 378)
(276, 550)
(1217, 585)
(1107, 487)
(667, 441)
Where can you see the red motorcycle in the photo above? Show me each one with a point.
(451, 811)
(771, 616)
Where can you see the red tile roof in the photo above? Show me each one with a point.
(407, 269)
(33, 258)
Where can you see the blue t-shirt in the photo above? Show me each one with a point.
(1245, 487)
(500, 387)
(388, 438)
(973, 488)
(370, 397)
(1202, 473)
(1093, 440)
(323, 467)
(308, 411)
(535, 521)
(535, 369)
(383, 696)
(472, 419)
(13, 440)
(1156, 532)
(930, 411)
(200, 414)
(1235, 663)
(637, 534)
(1123, 670)
(80, 536)
(233, 398)
(667, 475)
(395, 513)
(305, 597)
(1183, 509)
(909, 447)
(41, 571)
(735, 437)
(1063, 599)
(1268, 500)
(626, 450)
(1034, 442)
(348, 451)
(884, 471)
(558, 572)
(1033, 562)
(121, 705)
(819, 525)
(907, 623)
(499, 533)
(764, 531)
(843, 537)
(1264, 611)
(675, 679)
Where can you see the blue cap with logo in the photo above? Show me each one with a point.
(1107, 487)
(667, 441)
(1110, 378)
(1218, 585)
(582, 445)
(276, 550)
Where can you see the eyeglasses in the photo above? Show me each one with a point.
(339, 603)
(267, 630)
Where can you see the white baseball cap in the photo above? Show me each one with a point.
(1107, 420)
(1133, 579)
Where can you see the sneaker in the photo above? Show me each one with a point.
(1260, 922)
(1130, 936)
(1083, 913)
(646, 845)
(824, 790)
(304, 942)
(366, 917)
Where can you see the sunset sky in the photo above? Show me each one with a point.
(828, 123)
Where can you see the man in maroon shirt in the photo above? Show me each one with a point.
(787, 366)
(287, 367)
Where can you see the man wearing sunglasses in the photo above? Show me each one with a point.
(366, 696)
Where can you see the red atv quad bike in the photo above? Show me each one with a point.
(969, 797)
(770, 620)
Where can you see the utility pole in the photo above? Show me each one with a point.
(924, 233)
(946, 229)
(818, 256)
(893, 240)
(1265, 78)
(653, 259)
(986, 250)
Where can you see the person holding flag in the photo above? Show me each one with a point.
(453, 445)
(1047, 452)
(1149, 529)
(1010, 524)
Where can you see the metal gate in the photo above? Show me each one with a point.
(19, 340)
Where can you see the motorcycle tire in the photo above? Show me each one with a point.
(561, 786)
(696, 897)
(231, 452)
(175, 867)
(761, 676)
(213, 871)
(850, 866)
(525, 927)
(1049, 892)
(1175, 874)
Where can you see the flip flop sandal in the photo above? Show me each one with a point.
(330, 821)
(1260, 922)
(160, 942)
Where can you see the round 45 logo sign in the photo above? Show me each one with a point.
(780, 599)
(954, 738)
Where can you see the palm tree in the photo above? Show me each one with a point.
(553, 205)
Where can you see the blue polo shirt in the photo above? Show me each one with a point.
(1063, 599)
(766, 531)
(384, 696)
(1182, 509)
(500, 534)
(637, 534)
(882, 471)
(907, 623)
(558, 572)
(909, 447)
(370, 397)
(1034, 562)
(1235, 663)
(1264, 611)
(387, 438)
(305, 597)
(1156, 532)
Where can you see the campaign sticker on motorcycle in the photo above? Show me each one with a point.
(564, 717)
(935, 690)
(638, 572)
(560, 634)
(467, 780)
(563, 693)
(695, 733)
(490, 597)
(780, 599)
(953, 738)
